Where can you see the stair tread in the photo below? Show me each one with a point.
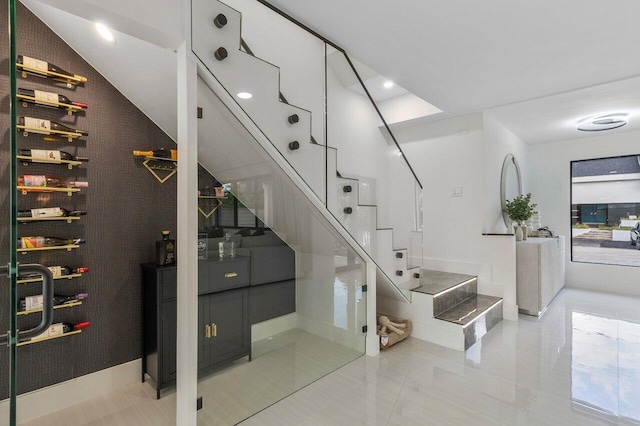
(469, 310)
(435, 282)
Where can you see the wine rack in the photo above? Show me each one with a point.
(67, 247)
(69, 108)
(217, 201)
(42, 339)
(155, 164)
(68, 219)
(63, 306)
(28, 160)
(27, 189)
(69, 80)
(59, 277)
(70, 136)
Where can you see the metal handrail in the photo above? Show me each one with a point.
(334, 45)
(47, 302)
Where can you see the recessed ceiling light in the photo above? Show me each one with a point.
(245, 95)
(388, 84)
(604, 122)
(105, 32)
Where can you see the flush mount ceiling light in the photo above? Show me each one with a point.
(245, 95)
(105, 32)
(604, 122)
(388, 84)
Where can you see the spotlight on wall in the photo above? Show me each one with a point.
(388, 84)
(604, 122)
(245, 95)
(105, 32)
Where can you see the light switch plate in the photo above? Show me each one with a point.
(456, 191)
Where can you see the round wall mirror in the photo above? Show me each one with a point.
(510, 184)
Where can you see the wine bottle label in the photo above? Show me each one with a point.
(36, 125)
(46, 97)
(31, 242)
(47, 212)
(33, 302)
(44, 154)
(53, 330)
(35, 64)
(35, 180)
(56, 271)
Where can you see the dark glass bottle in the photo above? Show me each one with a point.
(165, 250)
(36, 242)
(158, 153)
(50, 155)
(41, 98)
(40, 181)
(39, 67)
(51, 212)
(36, 302)
(38, 125)
(56, 271)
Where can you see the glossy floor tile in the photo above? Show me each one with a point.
(579, 364)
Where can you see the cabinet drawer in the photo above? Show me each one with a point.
(225, 275)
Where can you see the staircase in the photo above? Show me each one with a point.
(596, 234)
(447, 309)
(217, 42)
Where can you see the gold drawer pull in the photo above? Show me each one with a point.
(230, 274)
(208, 331)
(214, 327)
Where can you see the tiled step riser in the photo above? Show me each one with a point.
(481, 326)
(450, 298)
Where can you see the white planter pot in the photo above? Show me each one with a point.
(622, 235)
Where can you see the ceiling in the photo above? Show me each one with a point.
(537, 67)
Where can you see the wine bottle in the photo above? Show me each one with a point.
(38, 125)
(36, 302)
(51, 212)
(165, 250)
(40, 181)
(61, 328)
(50, 155)
(56, 271)
(37, 242)
(159, 153)
(40, 67)
(45, 98)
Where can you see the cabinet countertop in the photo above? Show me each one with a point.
(538, 240)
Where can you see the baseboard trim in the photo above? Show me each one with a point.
(271, 327)
(56, 397)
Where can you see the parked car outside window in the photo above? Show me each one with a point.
(635, 236)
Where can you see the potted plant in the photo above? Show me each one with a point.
(520, 211)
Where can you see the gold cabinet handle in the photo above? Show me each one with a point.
(214, 326)
(208, 331)
(231, 274)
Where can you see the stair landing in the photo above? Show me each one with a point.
(451, 312)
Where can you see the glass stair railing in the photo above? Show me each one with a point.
(315, 110)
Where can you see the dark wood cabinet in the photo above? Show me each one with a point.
(224, 328)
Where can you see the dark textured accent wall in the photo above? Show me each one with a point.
(127, 209)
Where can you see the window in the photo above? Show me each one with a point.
(605, 210)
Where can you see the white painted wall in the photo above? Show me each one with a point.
(549, 165)
(450, 153)
(498, 142)
(299, 55)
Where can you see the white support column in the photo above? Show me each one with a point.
(187, 234)
(372, 342)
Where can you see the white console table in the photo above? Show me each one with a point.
(540, 267)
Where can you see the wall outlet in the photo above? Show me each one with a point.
(456, 191)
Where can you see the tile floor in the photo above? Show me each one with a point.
(577, 365)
